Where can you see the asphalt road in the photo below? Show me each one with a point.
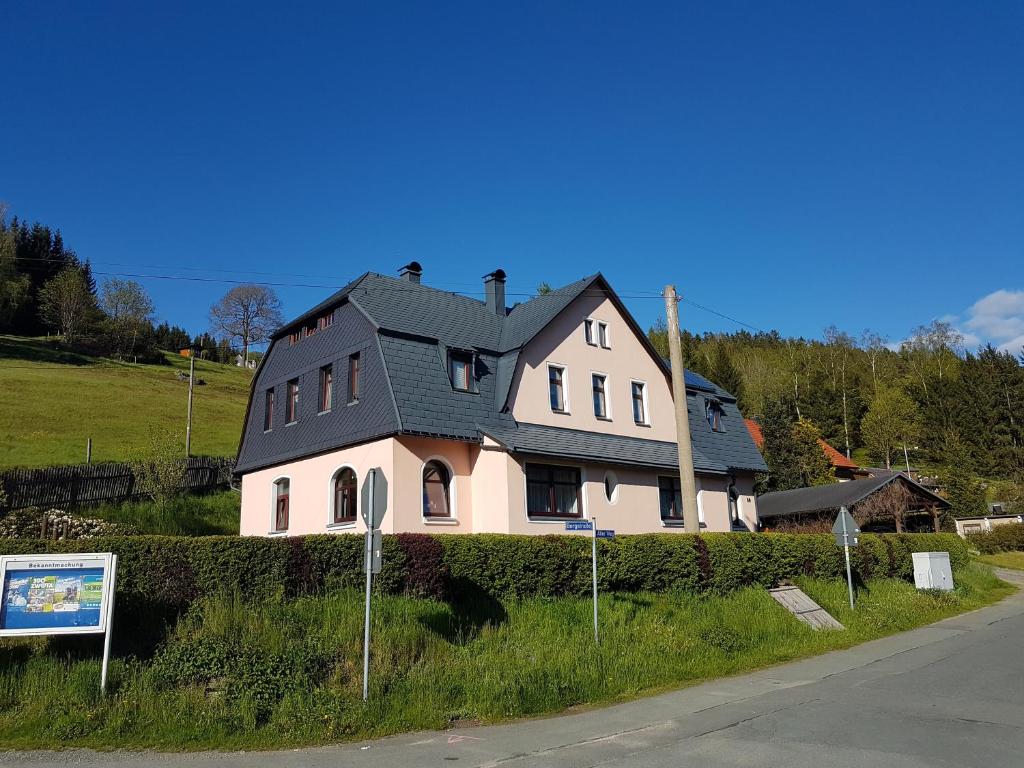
(951, 694)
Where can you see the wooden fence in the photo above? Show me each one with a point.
(80, 484)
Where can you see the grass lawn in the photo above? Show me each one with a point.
(278, 673)
(1013, 560)
(200, 515)
(52, 401)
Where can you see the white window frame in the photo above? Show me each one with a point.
(592, 324)
(273, 506)
(603, 324)
(331, 525)
(453, 494)
(584, 502)
(647, 405)
(565, 388)
(607, 395)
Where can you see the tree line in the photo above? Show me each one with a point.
(45, 288)
(945, 404)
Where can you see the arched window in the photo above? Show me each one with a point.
(345, 496)
(436, 490)
(281, 493)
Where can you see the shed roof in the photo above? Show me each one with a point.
(820, 498)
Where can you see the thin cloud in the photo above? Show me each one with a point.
(999, 319)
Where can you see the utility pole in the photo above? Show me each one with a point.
(191, 385)
(687, 483)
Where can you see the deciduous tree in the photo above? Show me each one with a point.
(66, 304)
(891, 422)
(248, 313)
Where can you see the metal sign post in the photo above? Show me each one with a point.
(846, 530)
(374, 503)
(593, 555)
(67, 594)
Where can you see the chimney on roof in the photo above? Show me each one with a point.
(411, 272)
(494, 285)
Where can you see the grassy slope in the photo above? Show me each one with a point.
(286, 673)
(1013, 560)
(208, 514)
(51, 402)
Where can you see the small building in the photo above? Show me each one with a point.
(965, 526)
(845, 468)
(483, 418)
(887, 502)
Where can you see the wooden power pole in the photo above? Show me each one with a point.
(687, 482)
(191, 384)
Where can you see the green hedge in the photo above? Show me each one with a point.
(1002, 538)
(168, 573)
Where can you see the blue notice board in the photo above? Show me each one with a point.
(54, 594)
(579, 525)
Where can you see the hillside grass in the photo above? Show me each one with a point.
(52, 401)
(1012, 560)
(272, 673)
(209, 514)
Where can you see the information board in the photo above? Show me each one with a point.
(55, 594)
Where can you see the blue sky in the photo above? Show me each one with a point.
(789, 164)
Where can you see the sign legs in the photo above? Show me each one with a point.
(110, 624)
(593, 557)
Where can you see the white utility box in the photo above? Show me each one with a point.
(932, 571)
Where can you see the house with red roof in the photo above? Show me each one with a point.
(845, 468)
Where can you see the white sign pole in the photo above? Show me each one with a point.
(593, 554)
(846, 549)
(371, 478)
(111, 592)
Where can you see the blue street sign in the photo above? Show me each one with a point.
(579, 525)
(604, 534)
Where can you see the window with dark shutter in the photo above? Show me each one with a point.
(556, 388)
(600, 397)
(345, 496)
(460, 366)
(268, 411)
(292, 406)
(353, 377)
(671, 496)
(553, 491)
(326, 387)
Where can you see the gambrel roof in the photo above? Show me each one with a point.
(410, 327)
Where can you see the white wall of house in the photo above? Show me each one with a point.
(487, 494)
(563, 343)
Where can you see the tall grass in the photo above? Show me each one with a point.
(191, 515)
(238, 673)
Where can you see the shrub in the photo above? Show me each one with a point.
(1002, 538)
(32, 523)
(169, 573)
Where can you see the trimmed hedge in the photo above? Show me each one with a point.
(171, 572)
(1002, 538)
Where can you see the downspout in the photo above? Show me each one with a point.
(734, 509)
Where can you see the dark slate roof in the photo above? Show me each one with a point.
(820, 498)
(415, 325)
(542, 440)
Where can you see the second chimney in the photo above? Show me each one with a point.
(412, 272)
(494, 285)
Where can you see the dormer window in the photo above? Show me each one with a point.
(460, 369)
(713, 409)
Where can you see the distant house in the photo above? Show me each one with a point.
(965, 526)
(845, 469)
(886, 502)
(482, 418)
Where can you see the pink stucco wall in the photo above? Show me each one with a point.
(311, 490)
(488, 496)
(563, 343)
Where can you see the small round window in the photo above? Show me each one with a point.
(611, 487)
